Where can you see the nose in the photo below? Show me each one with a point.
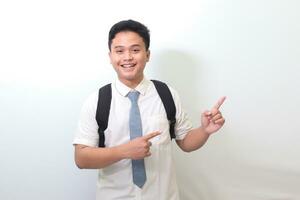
(128, 55)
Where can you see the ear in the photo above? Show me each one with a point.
(109, 55)
(148, 55)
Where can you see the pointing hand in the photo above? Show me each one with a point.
(139, 148)
(213, 120)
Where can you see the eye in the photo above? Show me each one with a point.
(119, 51)
(136, 50)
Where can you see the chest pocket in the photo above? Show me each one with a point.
(158, 123)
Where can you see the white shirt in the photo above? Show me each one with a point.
(115, 181)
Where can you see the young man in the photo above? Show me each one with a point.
(151, 152)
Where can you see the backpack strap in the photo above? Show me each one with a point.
(104, 102)
(102, 112)
(168, 102)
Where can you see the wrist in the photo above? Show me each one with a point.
(121, 152)
(204, 131)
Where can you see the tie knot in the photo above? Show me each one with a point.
(133, 96)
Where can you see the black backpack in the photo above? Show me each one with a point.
(104, 101)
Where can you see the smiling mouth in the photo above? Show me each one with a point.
(128, 65)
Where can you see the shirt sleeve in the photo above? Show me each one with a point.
(183, 124)
(87, 129)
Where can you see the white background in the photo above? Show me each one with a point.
(53, 54)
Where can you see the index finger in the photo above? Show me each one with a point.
(151, 135)
(219, 103)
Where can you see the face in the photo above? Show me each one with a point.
(129, 56)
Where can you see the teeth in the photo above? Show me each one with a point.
(127, 65)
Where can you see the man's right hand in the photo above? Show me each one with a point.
(139, 148)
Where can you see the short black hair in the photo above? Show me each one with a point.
(130, 25)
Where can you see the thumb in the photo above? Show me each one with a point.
(206, 113)
(205, 117)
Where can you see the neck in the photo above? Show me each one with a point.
(132, 83)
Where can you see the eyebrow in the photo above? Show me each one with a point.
(120, 46)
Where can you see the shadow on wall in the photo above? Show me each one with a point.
(181, 71)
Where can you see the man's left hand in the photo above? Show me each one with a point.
(213, 120)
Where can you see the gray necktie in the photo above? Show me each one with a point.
(135, 127)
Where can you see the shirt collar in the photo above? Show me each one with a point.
(124, 90)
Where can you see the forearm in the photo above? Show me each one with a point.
(95, 158)
(194, 139)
